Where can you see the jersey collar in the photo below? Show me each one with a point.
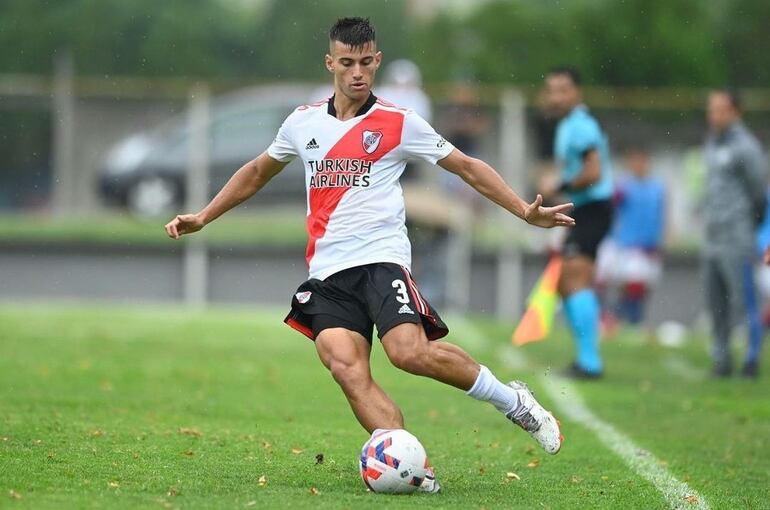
(361, 111)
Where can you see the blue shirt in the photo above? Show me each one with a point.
(576, 134)
(640, 213)
(763, 231)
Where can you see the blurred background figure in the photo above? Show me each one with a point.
(763, 271)
(735, 203)
(402, 86)
(629, 262)
(582, 154)
(466, 124)
(466, 120)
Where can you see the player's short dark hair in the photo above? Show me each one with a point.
(354, 32)
(732, 95)
(568, 71)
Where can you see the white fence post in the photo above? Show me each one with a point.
(63, 118)
(459, 257)
(512, 161)
(196, 262)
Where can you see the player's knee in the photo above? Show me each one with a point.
(412, 359)
(349, 375)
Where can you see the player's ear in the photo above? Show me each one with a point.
(377, 59)
(329, 62)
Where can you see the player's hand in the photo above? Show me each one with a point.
(183, 224)
(766, 256)
(548, 217)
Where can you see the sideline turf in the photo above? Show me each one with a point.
(133, 408)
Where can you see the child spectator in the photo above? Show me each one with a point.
(629, 260)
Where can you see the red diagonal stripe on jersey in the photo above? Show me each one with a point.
(323, 201)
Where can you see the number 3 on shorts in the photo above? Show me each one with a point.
(402, 296)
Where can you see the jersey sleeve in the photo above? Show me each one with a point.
(584, 137)
(282, 148)
(420, 140)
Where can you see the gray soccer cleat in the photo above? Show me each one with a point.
(533, 418)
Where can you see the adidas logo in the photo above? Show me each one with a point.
(312, 144)
(405, 309)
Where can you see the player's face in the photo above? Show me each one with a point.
(638, 162)
(720, 112)
(562, 95)
(353, 68)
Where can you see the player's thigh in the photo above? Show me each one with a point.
(340, 349)
(579, 254)
(404, 341)
(592, 224)
(394, 298)
(577, 274)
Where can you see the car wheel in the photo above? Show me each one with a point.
(153, 196)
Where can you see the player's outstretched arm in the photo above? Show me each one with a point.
(249, 179)
(590, 173)
(484, 179)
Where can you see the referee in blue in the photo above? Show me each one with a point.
(582, 155)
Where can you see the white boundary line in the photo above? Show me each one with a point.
(678, 494)
(565, 396)
(680, 367)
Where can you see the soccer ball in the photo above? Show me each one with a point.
(393, 462)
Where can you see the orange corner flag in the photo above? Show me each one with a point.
(537, 321)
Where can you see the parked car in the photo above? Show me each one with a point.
(146, 172)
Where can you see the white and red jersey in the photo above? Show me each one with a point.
(355, 206)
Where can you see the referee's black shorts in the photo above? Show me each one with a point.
(359, 298)
(592, 223)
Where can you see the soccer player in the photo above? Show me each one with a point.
(582, 152)
(629, 259)
(354, 148)
(736, 184)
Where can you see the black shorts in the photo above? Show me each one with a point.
(359, 298)
(592, 223)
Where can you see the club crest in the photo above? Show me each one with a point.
(371, 141)
(303, 297)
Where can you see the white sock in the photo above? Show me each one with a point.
(488, 389)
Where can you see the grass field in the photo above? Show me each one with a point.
(166, 408)
(266, 227)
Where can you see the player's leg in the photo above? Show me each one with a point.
(582, 310)
(606, 287)
(643, 272)
(346, 354)
(581, 305)
(718, 301)
(633, 301)
(405, 322)
(330, 313)
(751, 363)
(409, 349)
(738, 277)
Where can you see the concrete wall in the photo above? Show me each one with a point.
(261, 277)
